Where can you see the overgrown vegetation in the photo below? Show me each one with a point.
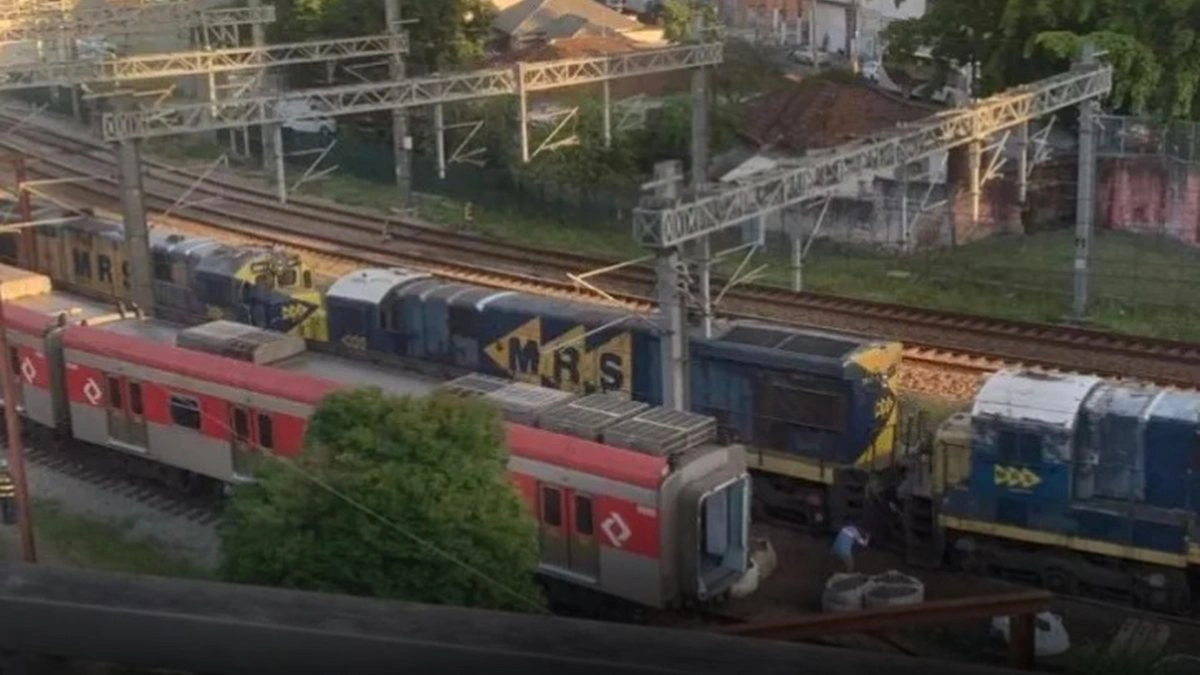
(1153, 45)
(401, 498)
(65, 538)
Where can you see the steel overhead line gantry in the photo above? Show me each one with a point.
(126, 127)
(422, 91)
(666, 223)
(127, 19)
(154, 66)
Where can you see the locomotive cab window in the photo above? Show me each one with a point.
(287, 278)
(185, 411)
(1019, 447)
(307, 279)
(551, 506)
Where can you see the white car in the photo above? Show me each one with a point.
(312, 122)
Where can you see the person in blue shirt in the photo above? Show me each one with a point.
(843, 546)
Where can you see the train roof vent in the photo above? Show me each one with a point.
(473, 385)
(517, 401)
(791, 340)
(526, 403)
(662, 431)
(241, 342)
(589, 416)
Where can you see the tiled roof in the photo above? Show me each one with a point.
(543, 16)
(821, 113)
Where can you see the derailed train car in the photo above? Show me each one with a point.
(817, 409)
(1079, 483)
(654, 526)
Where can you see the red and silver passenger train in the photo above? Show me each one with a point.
(637, 503)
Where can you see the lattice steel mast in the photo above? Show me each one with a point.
(667, 223)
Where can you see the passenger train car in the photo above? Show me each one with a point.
(816, 408)
(647, 517)
(1081, 484)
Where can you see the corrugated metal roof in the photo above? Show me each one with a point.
(372, 285)
(1036, 397)
(541, 16)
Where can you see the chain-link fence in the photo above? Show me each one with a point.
(488, 187)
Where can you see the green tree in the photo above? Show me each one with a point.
(445, 32)
(1153, 45)
(402, 498)
(678, 15)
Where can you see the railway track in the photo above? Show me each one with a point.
(955, 347)
(106, 471)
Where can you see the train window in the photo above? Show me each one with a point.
(1019, 448)
(266, 432)
(583, 514)
(287, 278)
(551, 506)
(163, 270)
(264, 281)
(114, 393)
(135, 398)
(185, 411)
(14, 360)
(307, 279)
(241, 425)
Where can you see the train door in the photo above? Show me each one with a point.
(126, 414)
(568, 538)
(552, 526)
(252, 432)
(583, 553)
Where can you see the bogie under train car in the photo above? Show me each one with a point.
(816, 409)
(656, 525)
(1073, 482)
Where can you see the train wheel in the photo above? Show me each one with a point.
(1060, 581)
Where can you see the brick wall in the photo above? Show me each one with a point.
(1151, 195)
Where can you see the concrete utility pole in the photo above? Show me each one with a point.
(401, 142)
(1085, 201)
(673, 342)
(16, 450)
(137, 238)
(700, 162)
(271, 134)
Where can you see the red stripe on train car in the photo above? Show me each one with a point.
(26, 320)
(206, 367)
(596, 459)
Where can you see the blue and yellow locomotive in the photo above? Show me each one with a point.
(816, 408)
(1075, 482)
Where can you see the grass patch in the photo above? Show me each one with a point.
(68, 539)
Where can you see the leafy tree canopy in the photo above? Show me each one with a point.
(1153, 45)
(445, 33)
(402, 498)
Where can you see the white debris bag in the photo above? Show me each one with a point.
(893, 589)
(845, 592)
(1050, 636)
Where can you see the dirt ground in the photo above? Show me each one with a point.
(805, 562)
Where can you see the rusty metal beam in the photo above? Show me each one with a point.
(1021, 606)
(891, 618)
